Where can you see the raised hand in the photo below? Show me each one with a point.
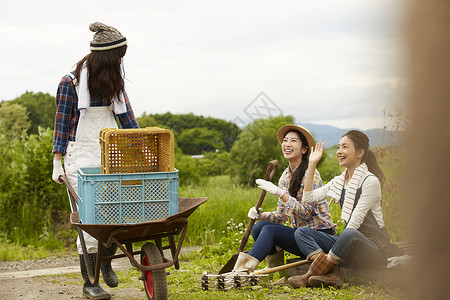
(316, 153)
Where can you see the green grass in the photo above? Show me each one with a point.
(15, 252)
(226, 202)
(187, 281)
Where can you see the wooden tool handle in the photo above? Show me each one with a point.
(282, 267)
(270, 172)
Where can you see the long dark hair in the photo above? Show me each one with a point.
(361, 141)
(105, 74)
(299, 173)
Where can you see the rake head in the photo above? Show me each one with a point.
(230, 280)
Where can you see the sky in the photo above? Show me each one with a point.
(330, 62)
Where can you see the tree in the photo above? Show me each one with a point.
(13, 119)
(40, 108)
(228, 132)
(255, 147)
(148, 121)
(198, 140)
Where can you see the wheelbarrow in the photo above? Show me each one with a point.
(152, 261)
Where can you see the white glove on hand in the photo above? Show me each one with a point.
(253, 213)
(398, 261)
(57, 171)
(269, 187)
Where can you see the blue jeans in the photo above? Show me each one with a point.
(351, 247)
(267, 235)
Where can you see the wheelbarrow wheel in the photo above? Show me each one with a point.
(155, 282)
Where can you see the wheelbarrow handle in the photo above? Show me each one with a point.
(270, 172)
(72, 195)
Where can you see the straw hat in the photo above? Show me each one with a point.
(284, 129)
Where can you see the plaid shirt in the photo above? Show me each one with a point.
(67, 114)
(316, 216)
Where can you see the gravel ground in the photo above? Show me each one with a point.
(25, 265)
(59, 278)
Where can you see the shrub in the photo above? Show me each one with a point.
(256, 146)
(29, 199)
(329, 165)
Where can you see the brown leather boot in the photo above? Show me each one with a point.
(320, 266)
(331, 279)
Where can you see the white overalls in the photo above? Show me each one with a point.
(85, 152)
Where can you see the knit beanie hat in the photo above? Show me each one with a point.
(106, 37)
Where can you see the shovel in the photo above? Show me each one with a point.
(232, 261)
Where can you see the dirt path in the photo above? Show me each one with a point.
(59, 278)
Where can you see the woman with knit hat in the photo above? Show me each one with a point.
(364, 241)
(88, 99)
(270, 236)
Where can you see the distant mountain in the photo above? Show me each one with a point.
(331, 135)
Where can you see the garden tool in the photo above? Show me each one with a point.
(232, 261)
(226, 281)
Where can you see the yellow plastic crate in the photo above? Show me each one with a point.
(149, 149)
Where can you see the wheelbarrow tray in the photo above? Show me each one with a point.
(140, 231)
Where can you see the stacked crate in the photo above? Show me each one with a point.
(149, 149)
(137, 181)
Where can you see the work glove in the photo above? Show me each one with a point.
(269, 187)
(253, 213)
(57, 171)
(398, 261)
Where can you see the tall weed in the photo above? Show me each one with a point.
(392, 161)
(29, 199)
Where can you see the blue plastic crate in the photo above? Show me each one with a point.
(126, 198)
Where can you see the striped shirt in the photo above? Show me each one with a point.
(316, 216)
(67, 114)
(370, 198)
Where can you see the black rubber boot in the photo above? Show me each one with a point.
(89, 290)
(109, 276)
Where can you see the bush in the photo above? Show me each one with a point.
(392, 161)
(188, 170)
(256, 146)
(215, 163)
(29, 199)
(329, 165)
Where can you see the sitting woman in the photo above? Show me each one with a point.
(358, 188)
(269, 234)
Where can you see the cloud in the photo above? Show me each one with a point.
(318, 60)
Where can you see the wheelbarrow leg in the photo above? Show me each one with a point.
(173, 248)
(158, 243)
